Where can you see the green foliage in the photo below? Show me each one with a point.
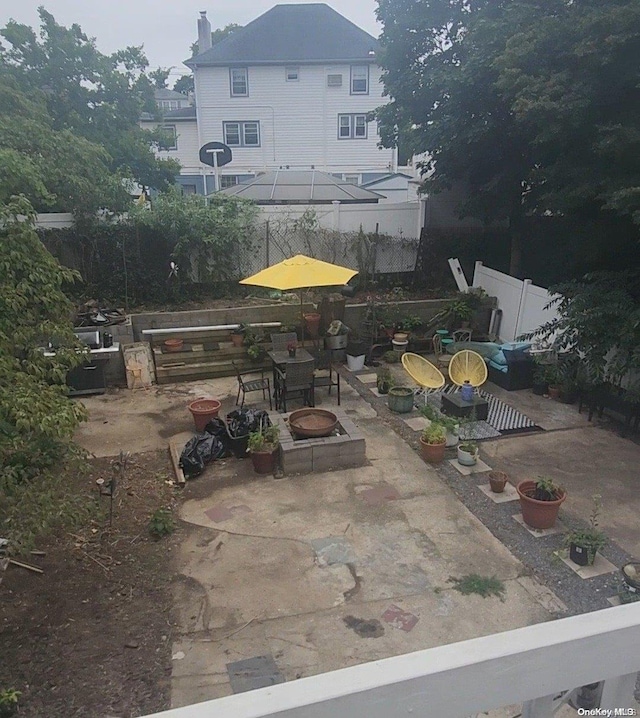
(9, 702)
(161, 523)
(599, 321)
(217, 36)
(450, 424)
(435, 433)
(264, 440)
(546, 489)
(184, 84)
(391, 357)
(80, 109)
(469, 446)
(484, 586)
(37, 420)
(522, 104)
(408, 324)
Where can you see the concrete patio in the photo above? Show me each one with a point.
(311, 573)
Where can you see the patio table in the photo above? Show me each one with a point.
(280, 358)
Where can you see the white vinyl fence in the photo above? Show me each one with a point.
(522, 302)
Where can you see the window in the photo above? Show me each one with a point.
(228, 181)
(169, 105)
(352, 127)
(359, 79)
(189, 189)
(352, 179)
(239, 80)
(291, 73)
(170, 137)
(241, 134)
(334, 80)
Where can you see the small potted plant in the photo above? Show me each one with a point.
(263, 447)
(291, 348)
(452, 428)
(497, 481)
(540, 502)
(539, 385)
(584, 544)
(391, 357)
(461, 313)
(384, 380)
(553, 378)
(433, 443)
(237, 335)
(468, 453)
(356, 355)
(400, 399)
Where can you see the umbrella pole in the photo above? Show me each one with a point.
(302, 317)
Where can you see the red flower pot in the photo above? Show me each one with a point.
(432, 453)
(312, 322)
(203, 410)
(264, 462)
(538, 514)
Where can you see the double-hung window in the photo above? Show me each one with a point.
(239, 81)
(359, 79)
(352, 127)
(241, 134)
(170, 137)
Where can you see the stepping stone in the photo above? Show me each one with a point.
(223, 512)
(479, 468)
(379, 495)
(509, 493)
(600, 566)
(367, 378)
(398, 618)
(540, 533)
(333, 550)
(417, 423)
(252, 673)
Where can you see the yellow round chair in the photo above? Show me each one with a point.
(467, 365)
(423, 372)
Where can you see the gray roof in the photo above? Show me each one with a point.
(300, 187)
(300, 33)
(165, 93)
(391, 175)
(184, 113)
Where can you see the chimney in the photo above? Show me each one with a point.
(204, 33)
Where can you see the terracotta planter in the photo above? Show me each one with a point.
(497, 480)
(554, 392)
(173, 345)
(312, 323)
(203, 410)
(401, 337)
(432, 453)
(264, 462)
(237, 339)
(538, 514)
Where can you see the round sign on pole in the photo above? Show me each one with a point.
(215, 154)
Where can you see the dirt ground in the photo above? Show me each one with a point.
(91, 636)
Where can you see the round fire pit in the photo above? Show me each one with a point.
(312, 423)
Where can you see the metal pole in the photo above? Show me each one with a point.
(216, 169)
(267, 248)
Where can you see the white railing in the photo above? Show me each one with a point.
(531, 666)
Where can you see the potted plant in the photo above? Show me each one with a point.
(356, 354)
(468, 453)
(263, 446)
(584, 544)
(553, 378)
(433, 442)
(539, 385)
(497, 481)
(540, 502)
(400, 399)
(291, 348)
(391, 357)
(237, 335)
(203, 410)
(384, 381)
(451, 427)
(461, 313)
(337, 335)
(312, 323)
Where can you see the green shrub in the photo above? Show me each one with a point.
(161, 523)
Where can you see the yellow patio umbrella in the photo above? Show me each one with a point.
(301, 272)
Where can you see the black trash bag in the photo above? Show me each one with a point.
(198, 452)
(216, 427)
(240, 423)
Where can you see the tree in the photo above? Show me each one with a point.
(184, 84)
(217, 36)
(159, 77)
(509, 99)
(95, 97)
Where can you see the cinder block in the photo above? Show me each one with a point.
(296, 453)
(297, 467)
(326, 463)
(353, 447)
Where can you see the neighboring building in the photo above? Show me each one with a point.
(294, 89)
(168, 100)
(394, 187)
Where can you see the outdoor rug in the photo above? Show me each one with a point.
(503, 420)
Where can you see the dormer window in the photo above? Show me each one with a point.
(291, 73)
(239, 80)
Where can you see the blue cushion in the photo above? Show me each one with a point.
(499, 367)
(516, 346)
(499, 358)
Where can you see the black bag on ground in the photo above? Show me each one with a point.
(198, 452)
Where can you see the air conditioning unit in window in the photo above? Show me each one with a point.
(334, 80)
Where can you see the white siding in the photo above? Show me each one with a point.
(187, 144)
(298, 120)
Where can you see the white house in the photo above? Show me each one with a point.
(293, 89)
